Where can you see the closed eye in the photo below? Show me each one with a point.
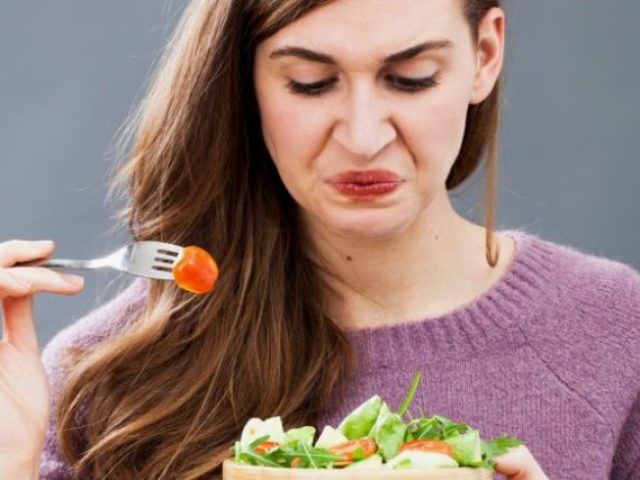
(408, 85)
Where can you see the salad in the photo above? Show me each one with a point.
(371, 436)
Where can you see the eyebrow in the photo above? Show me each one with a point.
(319, 57)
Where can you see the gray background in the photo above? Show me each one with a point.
(71, 71)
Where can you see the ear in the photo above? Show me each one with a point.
(489, 54)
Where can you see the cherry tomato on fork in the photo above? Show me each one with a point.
(195, 270)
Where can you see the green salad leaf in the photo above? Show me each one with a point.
(374, 436)
(302, 434)
(467, 448)
(388, 432)
(497, 446)
(359, 422)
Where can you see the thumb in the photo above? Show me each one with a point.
(19, 328)
(518, 464)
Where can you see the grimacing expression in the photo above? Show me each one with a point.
(335, 96)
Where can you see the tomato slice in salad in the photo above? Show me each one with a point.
(437, 446)
(348, 450)
(195, 270)
(266, 447)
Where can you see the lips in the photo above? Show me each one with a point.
(366, 185)
(367, 177)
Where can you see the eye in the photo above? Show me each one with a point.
(413, 85)
(409, 85)
(311, 89)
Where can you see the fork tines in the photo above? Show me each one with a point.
(168, 261)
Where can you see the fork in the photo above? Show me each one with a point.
(145, 259)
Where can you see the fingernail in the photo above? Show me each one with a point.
(44, 243)
(74, 280)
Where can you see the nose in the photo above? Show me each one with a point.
(365, 126)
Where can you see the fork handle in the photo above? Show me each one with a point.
(63, 263)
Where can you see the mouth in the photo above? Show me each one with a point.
(366, 185)
(366, 177)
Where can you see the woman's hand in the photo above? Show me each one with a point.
(519, 464)
(24, 395)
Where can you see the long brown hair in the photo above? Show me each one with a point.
(167, 396)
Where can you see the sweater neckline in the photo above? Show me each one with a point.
(508, 303)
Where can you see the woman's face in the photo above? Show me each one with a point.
(367, 148)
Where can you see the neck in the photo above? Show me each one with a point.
(434, 266)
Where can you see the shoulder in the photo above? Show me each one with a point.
(588, 297)
(587, 329)
(570, 276)
(94, 327)
(591, 281)
(586, 268)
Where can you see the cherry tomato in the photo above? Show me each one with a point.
(348, 449)
(266, 447)
(195, 270)
(437, 446)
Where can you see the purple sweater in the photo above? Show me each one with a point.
(550, 354)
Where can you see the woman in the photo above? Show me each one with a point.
(311, 145)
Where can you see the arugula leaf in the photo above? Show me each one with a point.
(256, 459)
(428, 428)
(497, 446)
(500, 445)
(454, 429)
(308, 455)
(410, 393)
(311, 457)
(258, 441)
(503, 443)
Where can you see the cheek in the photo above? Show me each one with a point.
(435, 130)
(446, 121)
(291, 135)
(287, 125)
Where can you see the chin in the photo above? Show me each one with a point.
(368, 225)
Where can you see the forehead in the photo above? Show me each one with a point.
(353, 29)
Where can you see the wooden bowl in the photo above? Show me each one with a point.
(234, 471)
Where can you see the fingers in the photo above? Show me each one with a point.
(518, 464)
(14, 251)
(19, 328)
(11, 286)
(18, 284)
(20, 281)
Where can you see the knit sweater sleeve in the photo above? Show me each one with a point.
(589, 339)
(626, 462)
(87, 331)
